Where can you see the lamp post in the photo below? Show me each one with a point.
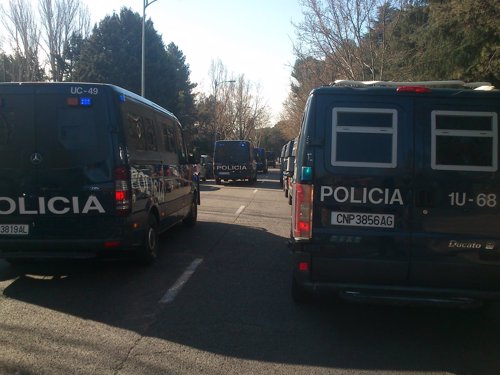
(145, 4)
(215, 106)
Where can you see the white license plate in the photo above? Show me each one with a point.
(14, 229)
(224, 173)
(360, 219)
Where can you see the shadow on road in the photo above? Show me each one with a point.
(237, 304)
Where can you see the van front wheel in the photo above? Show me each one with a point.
(149, 251)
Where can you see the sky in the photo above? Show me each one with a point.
(250, 37)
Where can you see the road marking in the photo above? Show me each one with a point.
(181, 281)
(239, 211)
(255, 191)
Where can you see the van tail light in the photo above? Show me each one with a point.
(122, 191)
(302, 211)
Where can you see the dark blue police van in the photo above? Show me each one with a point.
(397, 193)
(89, 170)
(234, 160)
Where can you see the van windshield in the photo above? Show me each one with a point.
(232, 152)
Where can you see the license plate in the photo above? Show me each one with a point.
(14, 229)
(224, 173)
(360, 219)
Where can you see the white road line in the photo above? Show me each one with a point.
(255, 191)
(181, 281)
(239, 211)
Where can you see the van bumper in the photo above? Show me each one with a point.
(66, 249)
(406, 294)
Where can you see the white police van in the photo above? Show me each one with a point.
(89, 170)
(397, 194)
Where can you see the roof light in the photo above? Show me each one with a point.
(85, 102)
(414, 89)
(72, 102)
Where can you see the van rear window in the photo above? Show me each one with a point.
(364, 137)
(465, 141)
(232, 152)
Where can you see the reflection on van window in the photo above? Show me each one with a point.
(150, 135)
(364, 137)
(76, 129)
(465, 141)
(135, 132)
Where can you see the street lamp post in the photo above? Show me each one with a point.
(145, 4)
(215, 106)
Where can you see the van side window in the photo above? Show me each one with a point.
(135, 132)
(167, 129)
(179, 144)
(464, 141)
(364, 137)
(150, 135)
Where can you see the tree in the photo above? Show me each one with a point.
(465, 36)
(238, 106)
(60, 20)
(335, 32)
(112, 54)
(20, 22)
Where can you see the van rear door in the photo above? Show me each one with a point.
(456, 237)
(56, 160)
(363, 175)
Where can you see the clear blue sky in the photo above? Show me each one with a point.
(251, 37)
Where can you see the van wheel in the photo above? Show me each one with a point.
(192, 217)
(149, 251)
(217, 181)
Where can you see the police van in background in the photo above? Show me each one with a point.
(234, 160)
(397, 193)
(89, 170)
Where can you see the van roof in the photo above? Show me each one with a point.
(457, 84)
(115, 88)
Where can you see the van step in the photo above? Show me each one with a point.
(410, 300)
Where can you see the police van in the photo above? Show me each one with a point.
(397, 193)
(89, 170)
(234, 160)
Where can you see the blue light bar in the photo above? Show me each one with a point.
(122, 98)
(85, 102)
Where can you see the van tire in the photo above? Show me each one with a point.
(217, 181)
(192, 217)
(150, 246)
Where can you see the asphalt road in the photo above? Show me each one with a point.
(218, 302)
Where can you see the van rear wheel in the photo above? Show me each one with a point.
(149, 250)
